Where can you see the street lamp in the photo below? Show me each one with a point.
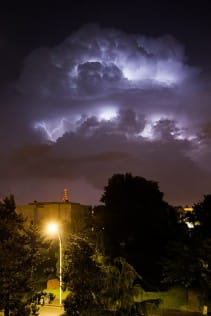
(53, 228)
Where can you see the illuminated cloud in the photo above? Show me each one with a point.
(105, 101)
(56, 128)
(107, 114)
(96, 66)
(51, 132)
(94, 60)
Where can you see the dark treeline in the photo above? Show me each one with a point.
(134, 237)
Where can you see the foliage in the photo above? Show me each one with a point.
(202, 237)
(81, 276)
(189, 258)
(137, 223)
(119, 285)
(98, 222)
(22, 309)
(20, 246)
(202, 216)
(96, 284)
(34, 309)
(42, 252)
(180, 267)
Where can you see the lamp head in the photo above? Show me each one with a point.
(52, 228)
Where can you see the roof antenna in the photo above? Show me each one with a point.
(65, 195)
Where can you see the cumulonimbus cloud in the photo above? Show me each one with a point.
(105, 101)
(94, 60)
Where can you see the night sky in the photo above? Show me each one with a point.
(91, 89)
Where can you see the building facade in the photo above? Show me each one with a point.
(66, 213)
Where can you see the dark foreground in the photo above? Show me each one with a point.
(178, 313)
(57, 311)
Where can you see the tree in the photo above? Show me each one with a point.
(119, 285)
(138, 223)
(189, 257)
(202, 216)
(20, 248)
(81, 276)
(43, 258)
(97, 284)
(202, 235)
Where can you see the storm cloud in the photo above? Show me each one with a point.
(103, 102)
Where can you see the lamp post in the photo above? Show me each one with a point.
(53, 228)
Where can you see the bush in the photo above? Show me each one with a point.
(47, 296)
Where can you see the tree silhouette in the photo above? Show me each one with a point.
(189, 257)
(20, 247)
(138, 223)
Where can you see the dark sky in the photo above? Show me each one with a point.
(90, 89)
(27, 26)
